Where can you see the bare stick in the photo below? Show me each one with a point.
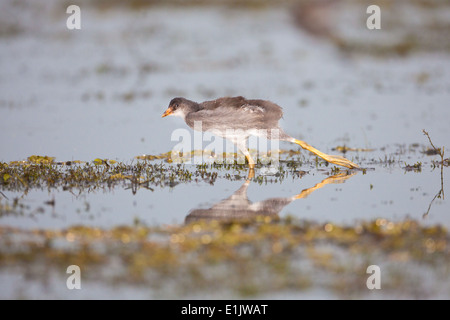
(441, 191)
(4, 195)
(438, 150)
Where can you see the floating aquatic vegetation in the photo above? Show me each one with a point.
(148, 171)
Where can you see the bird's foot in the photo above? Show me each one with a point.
(341, 161)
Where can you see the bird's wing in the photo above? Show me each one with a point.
(237, 113)
(227, 118)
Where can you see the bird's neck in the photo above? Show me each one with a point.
(193, 107)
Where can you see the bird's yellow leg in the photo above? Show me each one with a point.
(341, 161)
(251, 165)
(251, 162)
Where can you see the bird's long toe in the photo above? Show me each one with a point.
(341, 161)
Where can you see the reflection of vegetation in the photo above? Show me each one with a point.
(248, 258)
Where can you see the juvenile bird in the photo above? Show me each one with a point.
(237, 118)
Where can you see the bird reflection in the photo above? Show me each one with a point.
(238, 207)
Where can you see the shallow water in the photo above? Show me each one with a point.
(104, 97)
(94, 93)
(390, 193)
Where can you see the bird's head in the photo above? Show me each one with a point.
(180, 107)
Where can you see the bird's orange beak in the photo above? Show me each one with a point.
(168, 112)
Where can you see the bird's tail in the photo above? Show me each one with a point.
(341, 161)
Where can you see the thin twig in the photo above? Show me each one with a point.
(428, 136)
(4, 195)
(441, 191)
(429, 207)
(438, 150)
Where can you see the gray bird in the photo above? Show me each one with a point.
(237, 118)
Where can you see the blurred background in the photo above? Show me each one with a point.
(100, 91)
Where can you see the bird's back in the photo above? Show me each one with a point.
(236, 113)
